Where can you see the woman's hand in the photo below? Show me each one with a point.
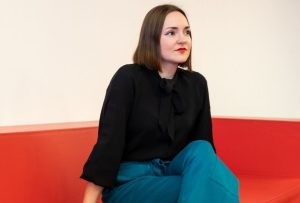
(92, 193)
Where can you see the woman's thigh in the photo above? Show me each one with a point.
(146, 189)
(205, 178)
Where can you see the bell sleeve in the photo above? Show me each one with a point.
(102, 166)
(203, 126)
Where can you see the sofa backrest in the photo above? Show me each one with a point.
(259, 147)
(44, 165)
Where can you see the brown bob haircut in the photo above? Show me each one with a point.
(148, 48)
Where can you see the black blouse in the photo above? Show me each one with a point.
(145, 116)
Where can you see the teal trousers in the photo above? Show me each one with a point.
(195, 175)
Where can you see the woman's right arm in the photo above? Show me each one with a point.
(92, 193)
(103, 163)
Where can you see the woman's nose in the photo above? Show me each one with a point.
(182, 38)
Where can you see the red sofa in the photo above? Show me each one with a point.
(264, 154)
(42, 163)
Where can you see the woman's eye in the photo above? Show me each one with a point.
(188, 32)
(171, 33)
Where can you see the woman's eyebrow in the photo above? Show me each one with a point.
(175, 28)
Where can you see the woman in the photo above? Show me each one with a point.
(155, 139)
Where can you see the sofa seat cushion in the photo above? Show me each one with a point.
(261, 189)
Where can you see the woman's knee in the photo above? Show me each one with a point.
(199, 154)
(200, 147)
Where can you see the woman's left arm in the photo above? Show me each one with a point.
(203, 126)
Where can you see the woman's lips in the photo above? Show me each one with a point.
(181, 50)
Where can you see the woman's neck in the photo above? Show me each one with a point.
(167, 72)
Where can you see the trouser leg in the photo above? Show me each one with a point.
(195, 175)
(205, 178)
(143, 183)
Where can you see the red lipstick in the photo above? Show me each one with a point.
(181, 50)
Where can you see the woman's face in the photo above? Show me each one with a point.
(175, 40)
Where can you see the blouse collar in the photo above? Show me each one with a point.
(171, 104)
